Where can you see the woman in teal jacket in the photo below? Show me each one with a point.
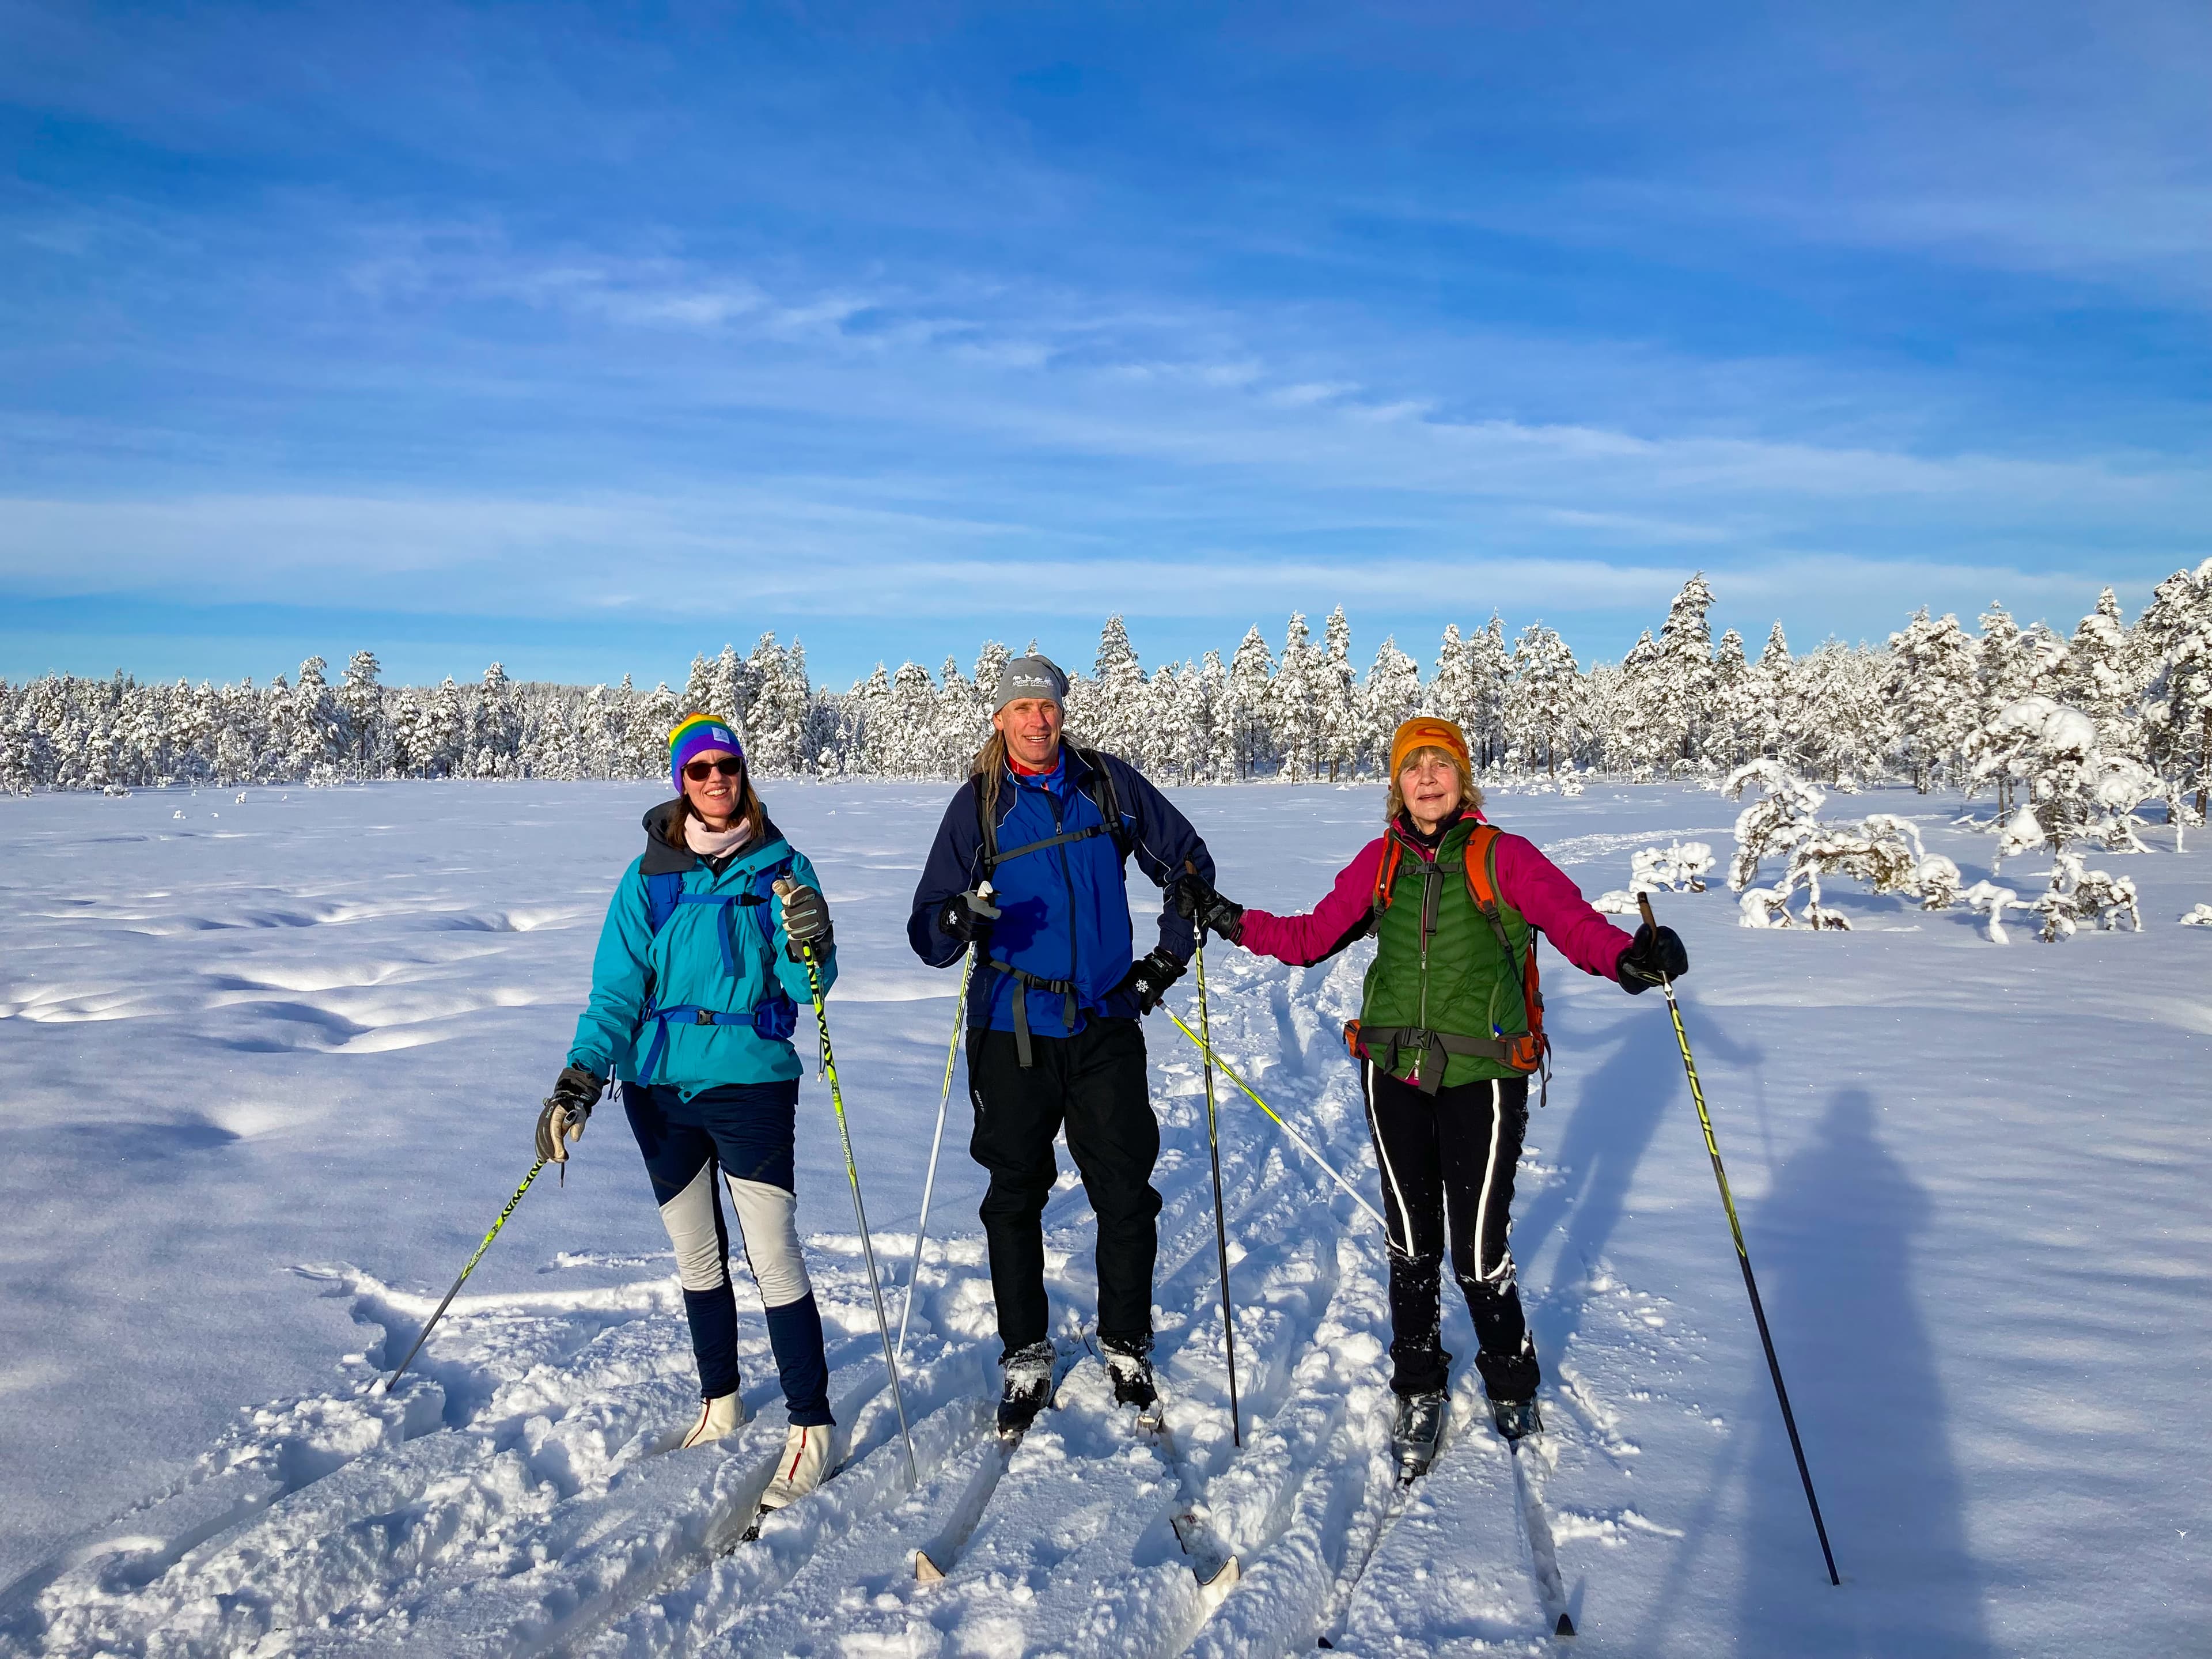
(695, 992)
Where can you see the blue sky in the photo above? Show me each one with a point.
(591, 337)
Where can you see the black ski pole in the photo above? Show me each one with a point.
(466, 1272)
(1220, 1227)
(1742, 1255)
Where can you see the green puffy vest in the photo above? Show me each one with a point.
(1439, 967)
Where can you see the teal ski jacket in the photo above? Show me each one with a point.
(710, 995)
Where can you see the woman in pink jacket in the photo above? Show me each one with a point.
(1450, 1030)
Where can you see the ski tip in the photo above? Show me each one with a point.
(1565, 1627)
(926, 1571)
(1326, 1643)
(1223, 1577)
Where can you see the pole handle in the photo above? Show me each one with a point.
(1644, 903)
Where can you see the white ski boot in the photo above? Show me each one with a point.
(804, 1462)
(719, 1419)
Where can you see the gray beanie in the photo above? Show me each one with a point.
(1030, 676)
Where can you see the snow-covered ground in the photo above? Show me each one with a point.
(271, 1068)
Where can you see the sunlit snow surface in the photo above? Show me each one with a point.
(271, 1068)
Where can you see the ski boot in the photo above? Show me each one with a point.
(1028, 1390)
(1130, 1366)
(719, 1419)
(1516, 1419)
(800, 1470)
(1413, 1435)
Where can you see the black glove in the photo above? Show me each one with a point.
(967, 916)
(1148, 979)
(1654, 954)
(1195, 901)
(566, 1112)
(806, 923)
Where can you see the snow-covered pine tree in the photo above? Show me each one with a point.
(1539, 703)
(1392, 696)
(1733, 734)
(1339, 697)
(1932, 690)
(1683, 677)
(1643, 732)
(2097, 677)
(1114, 720)
(2177, 702)
(1450, 693)
(1294, 702)
(1489, 668)
(1773, 686)
(361, 703)
(1251, 674)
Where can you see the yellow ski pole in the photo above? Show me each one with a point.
(387, 1383)
(1303, 1145)
(852, 1174)
(1742, 1255)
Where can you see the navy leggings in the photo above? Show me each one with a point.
(744, 1130)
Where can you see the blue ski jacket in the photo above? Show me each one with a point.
(692, 984)
(1064, 907)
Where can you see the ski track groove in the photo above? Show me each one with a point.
(510, 1500)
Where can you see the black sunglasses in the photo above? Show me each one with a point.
(730, 766)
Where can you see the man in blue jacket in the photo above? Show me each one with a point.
(1053, 1009)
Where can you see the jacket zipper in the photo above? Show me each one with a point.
(1067, 881)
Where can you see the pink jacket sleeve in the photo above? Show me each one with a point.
(1555, 907)
(1336, 921)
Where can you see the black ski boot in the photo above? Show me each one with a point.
(1130, 1366)
(1028, 1390)
(1414, 1434)
(1516, 1419)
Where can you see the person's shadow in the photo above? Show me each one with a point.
(1609, 1127)
(1834, 1250)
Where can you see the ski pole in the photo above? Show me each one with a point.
(466, 1272)
(1220, 1229)
(937, 1141)
(1742, 1255)
(1304, 1146)
(783, 889)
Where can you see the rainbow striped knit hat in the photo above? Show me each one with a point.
(695, 735)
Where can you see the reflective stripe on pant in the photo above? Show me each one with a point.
(743, 1131)
(1448, 1162)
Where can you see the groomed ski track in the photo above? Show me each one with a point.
(514, 1499)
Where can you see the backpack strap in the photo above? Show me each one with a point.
(1480, 861)
(1108, 799)
(1386, 873)
(774, 1017)
(1104, 796)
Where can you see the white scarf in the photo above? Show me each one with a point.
(711, 843)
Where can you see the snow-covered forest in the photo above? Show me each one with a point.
(1926, 706)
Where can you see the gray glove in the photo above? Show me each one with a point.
(566, 1112)
(806, 920)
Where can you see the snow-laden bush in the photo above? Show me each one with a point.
(2200, 917)
(1883, 850)
(1679, 866)
(1987, 899)
(2077, 895)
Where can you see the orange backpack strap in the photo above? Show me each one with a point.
(1385, 874)
(1480, 863)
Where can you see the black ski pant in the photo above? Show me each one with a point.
(1447, 1162)
(1095, 1083)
